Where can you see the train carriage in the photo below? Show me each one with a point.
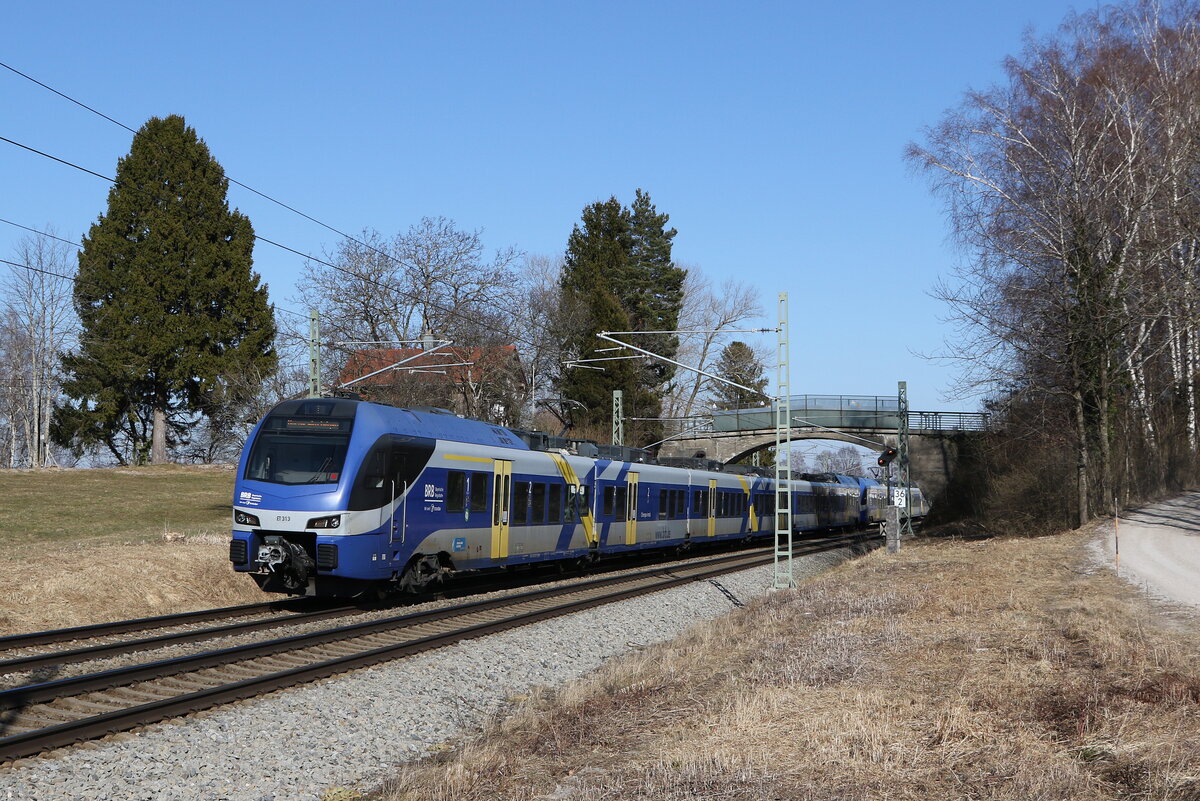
(338, 497)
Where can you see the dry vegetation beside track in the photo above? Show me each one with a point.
(1003, 669)
(84, 546)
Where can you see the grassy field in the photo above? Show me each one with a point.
(82, 546)
(1004, 669)
(998, 669)
(129, 504)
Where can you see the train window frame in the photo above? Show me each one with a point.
(662, 504)
(606, 508)
(456, 491)
(520, 503)
(570, 503)
(537, 503)
(620, 503)
(478, 500)
(554, 492)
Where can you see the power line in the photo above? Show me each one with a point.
(248, 188)
(66, 97)
(402, 293)
(36, 231)
(280, 203)
(75, 278)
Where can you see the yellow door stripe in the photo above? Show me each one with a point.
(568, 474)
(454, 457)
(750, 505)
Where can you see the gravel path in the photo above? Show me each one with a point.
(1160, 547)
(346, 730)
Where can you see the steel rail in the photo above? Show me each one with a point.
(117, 677)
(36, 740)
(15, 641)
(90, 652)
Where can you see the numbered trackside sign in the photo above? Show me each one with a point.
(899, 497)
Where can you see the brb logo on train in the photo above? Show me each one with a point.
(434, 495)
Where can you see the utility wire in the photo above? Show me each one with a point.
(76, 279)
(36, 231)
(408, 295)
(280, 203)
(248, 188)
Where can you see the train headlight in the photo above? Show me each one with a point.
(241, 518)
(332, 521)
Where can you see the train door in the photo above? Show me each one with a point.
(631, 515)
(501, 498)
(712, 507)
(399, 481)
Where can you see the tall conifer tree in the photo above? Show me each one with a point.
(618, 271)
(170, 306)
(739, 364)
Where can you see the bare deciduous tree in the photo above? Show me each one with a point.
(1073, 186)
(38, 324)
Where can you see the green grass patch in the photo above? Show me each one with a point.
(107, 505)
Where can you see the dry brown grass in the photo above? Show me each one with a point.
(77, 584)
(84, 546)
(992, 670)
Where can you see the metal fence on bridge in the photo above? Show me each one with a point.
(838, 412)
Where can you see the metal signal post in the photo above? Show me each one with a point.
(784, 577)
(618, 417)
(904, 481)
(314, 354)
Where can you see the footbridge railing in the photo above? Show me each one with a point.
(839, 412)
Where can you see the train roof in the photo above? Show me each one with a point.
(430, 423)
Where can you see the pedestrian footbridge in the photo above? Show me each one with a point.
(867, 420)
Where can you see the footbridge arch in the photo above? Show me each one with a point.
(873, 422)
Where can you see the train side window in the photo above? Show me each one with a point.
(697, 503)
(555, 504)
(569, 506)
(619, 503)
(479, 492)
(585, 503)
(456, 491)
(520, 503)
(662, 504)
(607, 508)
(539, 504)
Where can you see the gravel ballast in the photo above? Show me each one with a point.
(349, 730)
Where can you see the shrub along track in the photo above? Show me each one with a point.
(52, 714)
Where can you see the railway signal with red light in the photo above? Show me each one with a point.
(887, 456)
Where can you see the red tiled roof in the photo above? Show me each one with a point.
(365, 362)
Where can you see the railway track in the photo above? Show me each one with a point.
(25, 652)
(54, 713)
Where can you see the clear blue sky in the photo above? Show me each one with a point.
(771, 133)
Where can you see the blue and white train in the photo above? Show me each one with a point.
(342, 497)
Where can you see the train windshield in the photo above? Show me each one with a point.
(293, 449)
